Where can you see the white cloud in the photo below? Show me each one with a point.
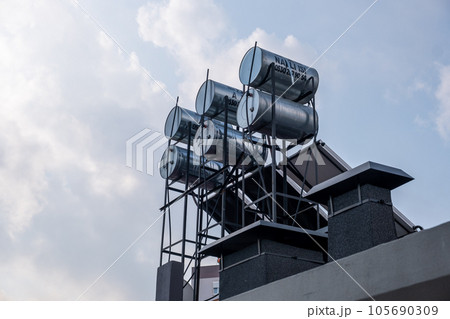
(70, 100)
(419, 85)
(45, 283)
(197, 36)
(56, 83)
(183, 27)
(443, 96)
(421, 122)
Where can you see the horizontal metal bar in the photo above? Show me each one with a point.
(192, 188)
(257, 201)
(179, 241)
(294, 257)
(289, 196)
(303, 210)
(240, 262)
(209, 237)
(273, 254)
(173, 244)
(209, 227)
(177, 254)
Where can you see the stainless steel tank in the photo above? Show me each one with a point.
(210, 101)
(208, 142)
(173, 166)
(300, 81)
(177, 124)
(293, 120)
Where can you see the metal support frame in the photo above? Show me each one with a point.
(234, 180)
(204, 200)
(169, 249)
(225, 163)
(274, 149)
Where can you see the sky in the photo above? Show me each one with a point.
(77, 80)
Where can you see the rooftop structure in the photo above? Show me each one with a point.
(266, 209)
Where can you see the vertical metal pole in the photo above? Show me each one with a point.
(183, 240)
(243, 192)
(316, 171)
(198, 246)
(359, 194)
(236, 206)
(163, 222)
(273, 149)
(330, 206)
(166, 200)
(202, 173)
(225, 163)
(284, 163)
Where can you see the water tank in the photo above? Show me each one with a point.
(210, 101)
(294, 81)
(293, 120)
(173, 166)
(208, 142)
(177, 124)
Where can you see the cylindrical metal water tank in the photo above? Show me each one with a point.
(293, 120)
(210, 101)
(294, 81)
(173, 166)
(208, 142)
(177, 124)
